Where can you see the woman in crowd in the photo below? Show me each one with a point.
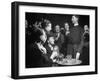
(66, 32)
(47, 27)
(52, 50)
(66, 27)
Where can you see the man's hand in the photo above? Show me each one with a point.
(77, 55)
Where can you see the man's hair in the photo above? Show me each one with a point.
(77, 16)
(66, 23)
(57, 26)
(45, 23)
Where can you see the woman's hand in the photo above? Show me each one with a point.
(44, 51)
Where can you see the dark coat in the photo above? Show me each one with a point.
(74, 40)
(60, 41)
(36, 58)
(75, 35)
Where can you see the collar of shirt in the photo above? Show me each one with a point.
(76, 24)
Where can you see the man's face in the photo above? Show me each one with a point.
(74, 19)
(49, 27)
(86, 28)
(66, 26)
(51, 40)
(57, 28)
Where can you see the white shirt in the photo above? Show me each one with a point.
(76, 24)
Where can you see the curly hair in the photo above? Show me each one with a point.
(45, 23)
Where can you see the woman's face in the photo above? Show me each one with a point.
(43, 37)
(49, 27)
(51, 40)
(66, 26)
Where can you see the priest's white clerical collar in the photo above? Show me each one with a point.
(76, 24)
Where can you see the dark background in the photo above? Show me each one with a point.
(55, 19)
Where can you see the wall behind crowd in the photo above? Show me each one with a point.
(55, 19)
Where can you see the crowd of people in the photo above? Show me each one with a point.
(46, 44)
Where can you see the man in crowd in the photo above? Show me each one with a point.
(59, 37)
(74, 46)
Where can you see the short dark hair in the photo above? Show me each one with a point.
(66, 22)
(57, 26)
(45, 23)
(77, 16)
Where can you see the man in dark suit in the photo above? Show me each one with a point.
(59, 37)
(75, 38)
